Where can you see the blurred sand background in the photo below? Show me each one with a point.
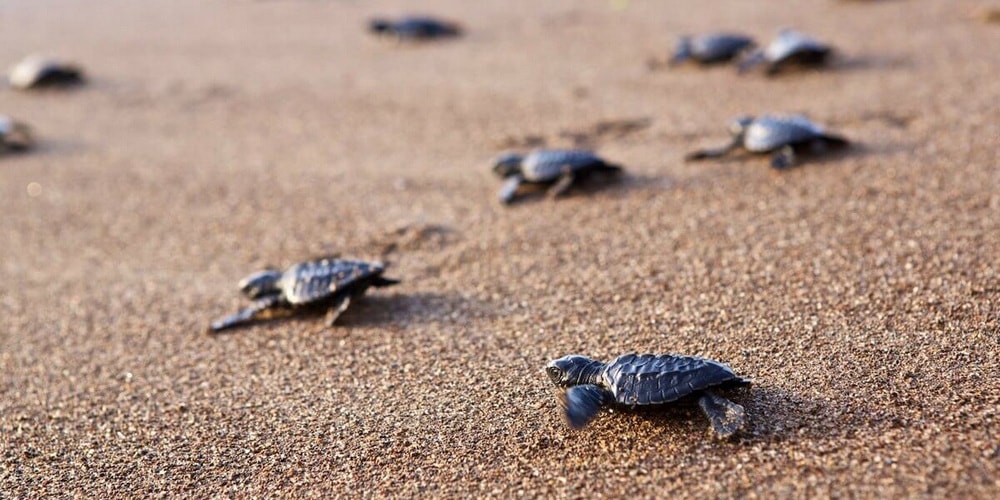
(860, 292)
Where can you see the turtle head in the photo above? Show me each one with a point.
(572, 370)
(260, 283)
(683, 51)
(508, 165)
(739, 125)
(379, 25)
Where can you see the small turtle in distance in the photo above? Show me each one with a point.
(15, 136)
(710, 49)
(790, 49)
(414, 28)
(325, 283)
(557, 168)
(647, 379)
(36, 72)
(783, 136)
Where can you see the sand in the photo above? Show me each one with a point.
(860, 292)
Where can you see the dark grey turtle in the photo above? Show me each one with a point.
(14, 135)
(646, 379)
(558, 168)
(326, 283)
(783, 136)
(789, 49)
(414, 28)
(711, 49)
(38, 72)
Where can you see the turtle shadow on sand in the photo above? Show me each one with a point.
(827, 157)
(593, 184)
(414, 308)
(773, 415)
(375, 310)
(868, 62)
(779, 415)
(681, 416)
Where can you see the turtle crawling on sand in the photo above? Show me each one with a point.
(711, 49)
(326, 283)
(14, 135)
(784, 136)
(414, 28)
(36, 72)
(647, 379)
(557, 168)
(790, 49)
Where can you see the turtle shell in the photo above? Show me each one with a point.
(36, 71)
(790, 43)
(423, 27)
(317, 280)
(770, 132)
(546, 165)
(719, 47)
(14, 136)
(646, 379)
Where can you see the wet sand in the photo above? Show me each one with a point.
(860, 292)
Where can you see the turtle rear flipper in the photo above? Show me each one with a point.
(336, 309)
(610, 168)
(834, 141)
(783, 158)
(379, 282)
(582, 402)
(726, 416)
(562, 184)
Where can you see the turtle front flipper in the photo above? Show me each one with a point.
(510, 188)
(702, 154)
(246, 315)
(582, 402)
(726, 416)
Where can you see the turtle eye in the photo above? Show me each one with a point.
(555, 374)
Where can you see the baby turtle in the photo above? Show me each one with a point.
(326, 283)
(38, 72)
(14, 135)
(783, 136)
(789, 49)
(646, 379)
(414, 28)
(711, 49)
(558, 168)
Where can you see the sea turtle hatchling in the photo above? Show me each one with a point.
(710, 49)
(790, 49)
(14, 135)
(558, 168)
(414, 28)
(646, 379)
(783, 136)
(36, 72)
(325, 283)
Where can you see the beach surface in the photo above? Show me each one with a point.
(860, 292)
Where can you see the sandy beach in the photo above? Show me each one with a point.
(860, 291)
